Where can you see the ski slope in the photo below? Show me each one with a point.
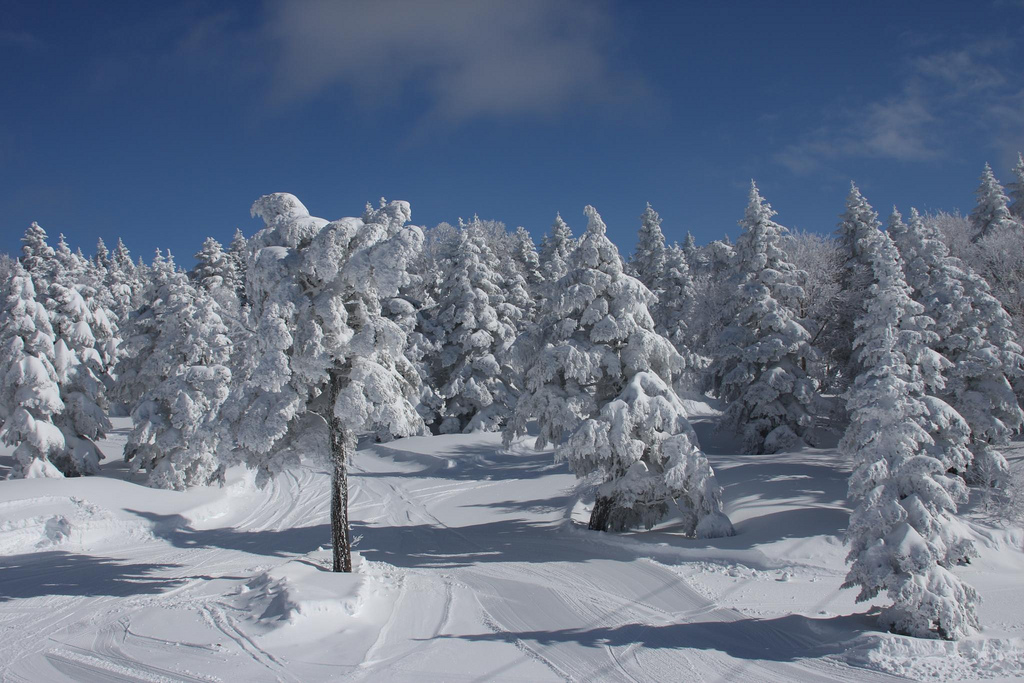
(474, 563)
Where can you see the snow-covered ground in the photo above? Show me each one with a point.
(474, 563)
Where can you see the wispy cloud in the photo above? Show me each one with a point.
(469, 59)
(943, 94)
(21, 39)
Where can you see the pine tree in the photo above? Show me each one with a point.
(527, 261)
(674, 312)
(475, 327)
(323, 362)
(758, 366)
(648, 261)
(857, 227)
(139, 368)
(991, 215)
(602, 377)
(177, 423)
(102, 258)
(977, 387)
(81, 361)
(29, 395)
(903, 535)
(555, 249)
(37, 257)
(1016, 189)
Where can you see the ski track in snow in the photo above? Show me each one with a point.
(481, 572)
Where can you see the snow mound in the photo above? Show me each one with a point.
(302, 601)
(61, 521)
(923, 659)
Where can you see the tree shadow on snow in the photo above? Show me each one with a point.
(177, 531)
(471, 462)
(62, 573)
(784, 639)
(436, 546)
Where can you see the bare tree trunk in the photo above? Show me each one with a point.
(600, 514)
(341, 542)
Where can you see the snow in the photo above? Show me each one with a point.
(473, 562)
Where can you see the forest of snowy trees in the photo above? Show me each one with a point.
(311, 334)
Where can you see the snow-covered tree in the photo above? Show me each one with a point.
(215, 272)
(555, 249)
(29, 395)
(324, 363)
(903, 534)
(818, 256)
(714, 290)
(991, 215)
(37, 257)
(1015, 190)
(177, 422)
(958, 301)
(527, 260)
(695, 256)
(139, 367)
(475, 325)
(857, 227)
(214, 267)
(102, 257)
(602, 376)
(759, 363)
(83, 352)
(677, 300)
(648, 261)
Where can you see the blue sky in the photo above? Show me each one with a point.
(162, 122)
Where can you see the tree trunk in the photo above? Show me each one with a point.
(600, 514)
(341, 542)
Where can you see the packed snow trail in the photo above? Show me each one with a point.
(471, 567)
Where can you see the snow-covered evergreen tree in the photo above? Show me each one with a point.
(214, 267)
(759, 364)
(602, 376)
(903, 534)
(215, 272)
(648, 261)
(177, 422)
(1015, 190)
(139, 367)
(991, 215)
(677, 300)
(475, 325)
(977, 385)
(857, 227)
(555, 249)
(714, 290)
(527, 261)
(324, 363)
(37, 257)
(82, 359)
(102, 257)
(29, 395)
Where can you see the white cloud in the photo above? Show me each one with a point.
(945, 95)
(470, 58)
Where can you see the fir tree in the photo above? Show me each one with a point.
(555, 249)
(977, 386)
(475, 326)
(991, 215)
(1015, 189)
(648, 261)
(29, 395)
(903, 535)
(602, 377)
(177, 426)
(758, 367)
